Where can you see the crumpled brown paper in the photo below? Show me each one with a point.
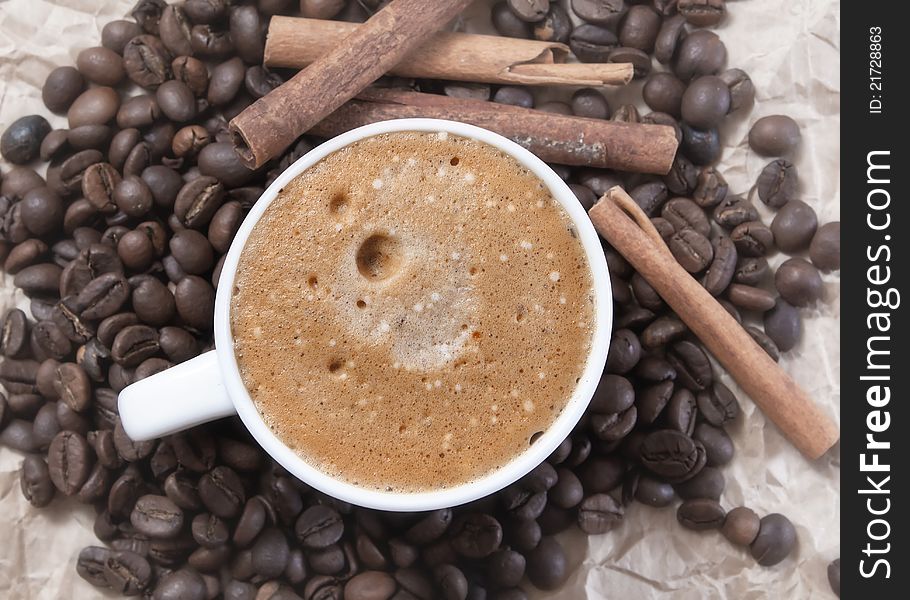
(791, 50)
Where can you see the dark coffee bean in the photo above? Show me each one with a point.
(700, 53)
(590, 103)
(614, 394)
(753, 238)
(195, 298)
(41, 211)
(319, 527)
(111, 326)
(555, 27)
(157, 517)
(54, 145)
(603, 12)
(776, 539)
(774, 135)
(613, 427)
(705, 102)
(625, 351)
(654, 492)
(129, 450)
(702, 147)
(14, 333)
(718, 445)
(402, 553)
(649, 196)
(188, 142)
(74, 168)
(507, 23)
(662, 331)
(601, 474)
(723, 267)
(19, 435)
(178, 345)
(515, 96)
(122, 145)
(591, 43)
(599, 514)
(663, 92)
(270, 553)
(369, 585)
(209, 531)
(221, 491)
(91, 564)
(246, 32)
(151, 366)
(226, 80)
(639, 28)
(641, 65)
(138, 112)
(702, 13)
(103, 296)
(546, 564)
(751, 271)
(134, 344)
(798, 282)
(21, 141)
(135, 250)
(682, 177)
(176, 101)
(505, 568)
(710, 189)
(327, 561)
(154, 303)
(793, 226)
(671, 32)
(101, 65)
(708, 483)
(691, 249)
(61, 88)
(742, 90)
(741, 526)
(127, 572)
(220, 161)
(693, 369)
(700, 514)
(531, 11)
(174, 30)
(210, 43)
(734, 211)
(182, 491)
(825, 247)
(452, 581)
(718, 405)
(765, 342)
(69, 462)
(90, 136)
(72, 386)
(476, 535)
(225, 223)
(96, 106)
(568, 491)
(183, 584)
(655, 369)
(192, 72)
(49, 340)
(147, 61)
(748, 297)
(652, 400)
(783, 325)
(35, 481)
(682, 213)
(198, 200)
(671, 454)
(777, 183)
(132, 196)
(207, 11)
(429, 528)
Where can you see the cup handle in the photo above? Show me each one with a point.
(181, 397)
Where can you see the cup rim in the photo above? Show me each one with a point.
(507, 473)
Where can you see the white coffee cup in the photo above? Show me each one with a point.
(209, 386)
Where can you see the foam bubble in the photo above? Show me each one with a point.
(526, 245)
(377, 184)
(554, 276)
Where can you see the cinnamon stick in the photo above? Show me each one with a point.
(619, 219)
(554, 138)
(295, 43)
(269, 125)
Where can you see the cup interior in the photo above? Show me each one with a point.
(509, 472)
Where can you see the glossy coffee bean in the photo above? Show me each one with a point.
(718, 445)
(593, 44)
(147, 61)
(69, 461)
(639, 28)
(654, 492)
(775, 540)
(221, 491)
(777, 183)
(101, 65)
(824, 249)
(21, 140)
(793, 226)
(741, 526)
(547, 564)
(753, 238)
(681, 411)
(671, 32)
(705, 102)
(700, 53)
(701, 147)
(663, 92)
(774, 135)
(798, 282)
(599, 513)
(700, 514)
(157, 517)
(174, 30)
(192, 72)
(691, 249)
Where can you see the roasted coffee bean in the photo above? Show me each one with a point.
(14, 333)
(21, 141)
(601, 474)
(429, 528)
(699, 53)
(475, 535)
(655, 369)
(766, 343)
(546, 564)
(614, 394)
(96, 106)
(127, 572)
(220, 161)
(734, 211)
(225, 223)
(138, 112)
(783, 325)
(35, 481)
(613, 427)
(48, 340)
(515, 96)
(259, 81)
(221, 491)
(590, 103)
(663, 92)
(198, 200)
(702, 13)
(369, 585)
(625, 351)
(662, 331)
(593, 44)
(641, 66)
(748, 297)
(91, 564)
(54, 145)
(723, 266)
(176, 101)
(129, 450)
(135, 250)
(639, 28)
(74, 168)
(134, 344)
(654, 492)
(189, 141)
(568, 491)
(174, 30)
(710, 189)
(209, 531)
(753, 238)
(246, 32)
(741, 526)
(701, 147)
(718, 405)
(798, 282)
(153, 302)
(682, 213)
(691, 249)
(671, 32)
(556, 26)
(599, 514)
(183, 584)
(531, 11)
(207, 11)
(777, 183)
(147, 61)
(157, 517)
(327, 561)
(111, 326)
(671, 454)
(72, 386)
(61, 88)
(101, 65)
(86, 137)
(652, 400)
(834, 576)
(103, 296)
(122, 145)
(646, 295)
(195, 298)
(775, 540)
(182, 491)
(793, 226)
(133, 196)
(775, 135)
(164, 183)
(705, 102)
(708, 483)
(41, 211)
(19, 435)
(751, 270)
(69, 461)
(270, 553)
(507, 23)
(602, 12)
(649, 196)
(700, 514)
(718, 445)
(210, 43)
(319, 527)
(825, 247)
(192, 72)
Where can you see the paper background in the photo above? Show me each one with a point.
(791, 51)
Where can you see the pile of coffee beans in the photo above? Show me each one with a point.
(119, 248)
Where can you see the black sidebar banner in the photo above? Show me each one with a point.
(875, 437)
